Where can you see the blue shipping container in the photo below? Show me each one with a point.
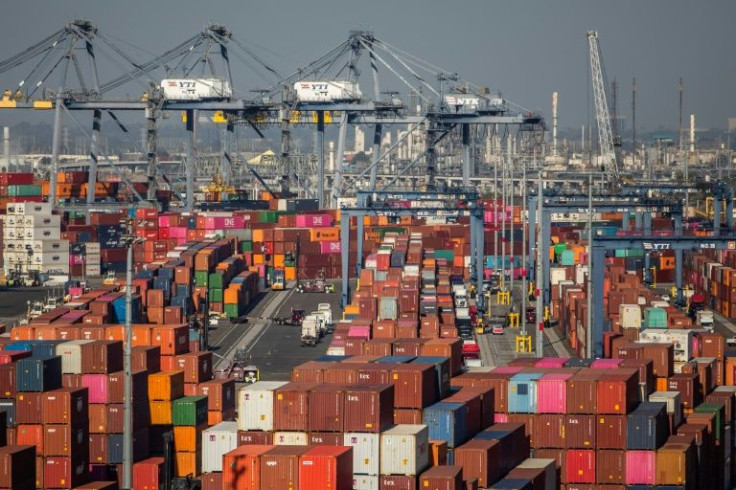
(331, 358)
(647, 426)
(36, 374)
(7, 407)
(448, 422)
(395, 359)
(523, 393)
(513, 484)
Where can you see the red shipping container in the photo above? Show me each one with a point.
(212, 481)
(66, 406)
(617, 392)
(107, 357)
(582, 393)
(30, 435)
(146, 358)
(325, 439)
(324, 467)
(280, 467)
(18, 467)
(255, 437)
(148, 474)
(580, 431)
(28, 408)
(369, 408)
(65, 440)
(291, 406)
(326, 408)
(415, 385)
(63, 472)
(197, 367)
(241, 468)
(611, 467)
(442, 478)
(10, 356)
(580, 466)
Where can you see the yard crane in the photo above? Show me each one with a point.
(609, 139)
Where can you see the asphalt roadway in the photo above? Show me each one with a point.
(14, 302)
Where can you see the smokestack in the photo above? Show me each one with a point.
(692, 133)
(554, 124)
(6, 146)
(331, 159)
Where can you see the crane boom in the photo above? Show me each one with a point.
(603, 116)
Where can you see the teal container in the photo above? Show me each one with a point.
(448, 255)
(655, 318)
(190, 411)
(216, 280)
(24, 190)
(216, 295)
(200, 278)
(629, 253)
(567, 257)
(246, 247)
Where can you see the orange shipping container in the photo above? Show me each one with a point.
(188, 439)
(331, 234)
(241, 468)
(186, 464)
(166, 386)
(173, 339)
(160, 412)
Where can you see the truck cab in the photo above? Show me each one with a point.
(278, 283)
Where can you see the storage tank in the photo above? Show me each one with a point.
(196, 89)
(327, 91)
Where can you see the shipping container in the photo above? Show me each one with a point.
(442, 478)
(256, 405)
(366, 452)
(280, 467)
(326, 467)
(368, 408)
(404, 450)
(18, 467)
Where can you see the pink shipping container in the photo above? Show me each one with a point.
(178, 232)
(313, 220)
(507, 369)
(640, 467)
(606, 363)
(552, 393)
(224, 223)
(552, 362)
(97, 386)
(360, 332)
(76, 259)
(500, 418)
(330, 247)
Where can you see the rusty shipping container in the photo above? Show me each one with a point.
(368, 408)
(280, 467)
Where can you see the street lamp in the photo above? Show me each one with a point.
(129, 240)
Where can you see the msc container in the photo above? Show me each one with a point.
(216, 441)
(66, 406)
(580, 466)
(64, 472)
(166, 386)
(327, 408)
(256, 405)
(326, 467)
(548, 466)
(72, 354)
(404, 450)
(18, 467)
(442, 478)
(447, 422)
(368, 408)
(647, 426)
(38, 374)
(148, 474)
(366, 452)
(189, 410)
(523, 393)
(280, 467)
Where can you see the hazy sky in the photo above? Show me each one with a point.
(527, 49)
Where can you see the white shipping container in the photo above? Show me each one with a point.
(216, 441)
(38, 221)
(255, 405)
(327, 91)
(92, 248)
(13, 233)
(50, 258)
(48, 245)
(56, 269)
(673, 400)
(71, 355)
(30, 208)
(93, 270)
(196, 89)
(366, 482)
(581, 271)
(405, 450)
(630, 316)
(549, 466)
(557, 274)
(42, 234)
(366, 452)
(284, 438)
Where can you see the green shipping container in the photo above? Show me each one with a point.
(216, 295)
(719, 410)
(24, 190)
(200, 278)
(448, 255)
(388, 229)
(655, 318)
(189, 411)
(216, 280)
(246, 246)
(232, 311)
(629, 253)
(559, 248)
(268, 217)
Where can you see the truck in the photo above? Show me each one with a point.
(310, 331)
(326, 310)
(278, 283)
(183, 89)
(704, 319)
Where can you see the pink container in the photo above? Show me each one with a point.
(552, 393)
(97, 386)
(500, 418)
(606, 363)
(640, 467)
(360, 332)
(75, 292)
(507, 369)
(224, 222)
(552, 362)
(177, 232)
(313, 220)
(330, 247)
(76, 259)
(337, 343)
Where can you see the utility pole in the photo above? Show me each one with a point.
(525, 259)
(679, 126)
(589, 312)
(541, 255)
(127, 479)
(633, 119)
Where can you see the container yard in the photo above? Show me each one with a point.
(249, 297)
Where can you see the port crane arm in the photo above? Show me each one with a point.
(603, 116)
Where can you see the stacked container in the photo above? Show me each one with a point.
(32, 239)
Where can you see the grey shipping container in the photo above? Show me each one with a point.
(38, 374)
(647, 427)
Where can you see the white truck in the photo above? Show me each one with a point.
(704, 319)
(326, 311)
(310, 330)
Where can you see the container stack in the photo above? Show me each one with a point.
(32, 239)
(189, 417)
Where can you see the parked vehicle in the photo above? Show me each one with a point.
(296, 318)
(310, 331)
